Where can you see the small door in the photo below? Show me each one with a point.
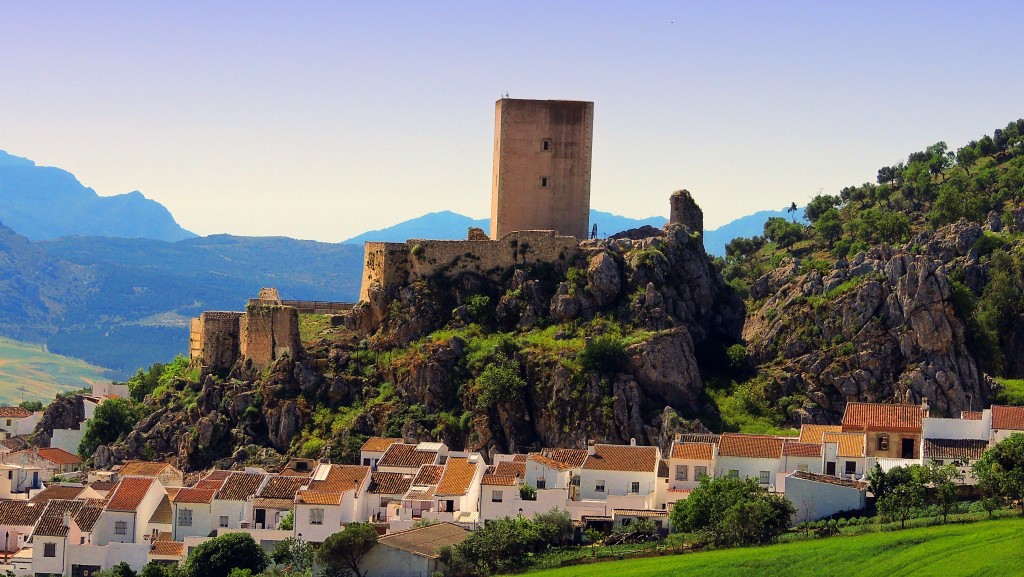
(35, 479)
(261, 517)
(830, 468)
(908, 448)
(449, 506)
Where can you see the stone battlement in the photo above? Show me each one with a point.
(392, 264)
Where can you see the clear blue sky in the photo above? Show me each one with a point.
(322, 120)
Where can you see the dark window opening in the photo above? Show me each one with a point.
(545, 145)
(908, 449)
(830, 468)
(851, 467)
(543, 182)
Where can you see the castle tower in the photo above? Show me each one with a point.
(542, 157)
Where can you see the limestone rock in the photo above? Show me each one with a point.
(603, 280)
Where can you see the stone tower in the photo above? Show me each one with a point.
(542, 157)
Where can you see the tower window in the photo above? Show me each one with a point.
(543, 182)
(545, 144)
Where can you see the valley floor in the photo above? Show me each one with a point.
(989, 548)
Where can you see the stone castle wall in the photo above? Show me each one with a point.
(269, 332)
(392, 264)
(214, 339)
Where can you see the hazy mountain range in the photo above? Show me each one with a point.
(114, 280)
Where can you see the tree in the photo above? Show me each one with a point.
(792, 211)
(31, 406)
(726, 511)
(288, 522)
(967, 156)
(158, 569)
(219, 556)
(293, 552)
(554, 527)
(122, 569)
(901, 501)
(943, 478)
(113, 418)
(819, 205)
(1000, 471)
(828, 228)
(341, 552)
(781, 232)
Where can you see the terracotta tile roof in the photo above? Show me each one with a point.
(697, 438)
(796, 449)
(277, 504)
(692, 451)
(849, 444)
(428, 475)
(754, 446)
(194, 495)
(511, 468)
(57, 492)
(167, 548)
(88, 515)
(570, 458)
(956, 449)
(54, 455)
(378, 444)
(1011, 418)
(519, 457)
(406, 456)
(425, 541)
(144, 469)
(829, 480)
(14, 413)
(883, 417)
(491, 479)
(329, 489)
(663, 468)
(217, 475)
(640, 512)
(810, 433)
(103, 486)
(970, 415)
(420, 494)
(51, 522)
(458, 475)
(164, 513)
(622, 458)
(129, 493)
(20, 512)
(382, 483)
(15, 443)
(240, 486)
(282, 487)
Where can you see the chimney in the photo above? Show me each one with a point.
(67, 519)
(924, 404)
(632, 441)
(590, 447)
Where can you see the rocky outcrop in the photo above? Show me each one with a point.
(66, 412)
(879, 328)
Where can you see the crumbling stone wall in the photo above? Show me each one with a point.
(684, 210)
(393, 264)
(269, 332)
(214, 340)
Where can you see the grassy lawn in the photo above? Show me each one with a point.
(988, 548)
(1012, 393)
(41, 374)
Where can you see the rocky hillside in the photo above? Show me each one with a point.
(602, 346)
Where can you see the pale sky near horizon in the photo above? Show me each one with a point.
(322, 120)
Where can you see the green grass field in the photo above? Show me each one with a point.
(986, 548)
(42, 375)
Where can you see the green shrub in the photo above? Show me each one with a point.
(603, 354)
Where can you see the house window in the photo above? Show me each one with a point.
(851, 467)
(316, 516)
(496, 496)
(120, 528)
(883, 442)
(8, 422)
(634, 487)
(682, 473)
(10, 475)
(223, 520)
(762, 477)
(938, 462)
(734, 472)
(699, 471)
(185, 518)
(599, 486)
(543, 182)
(545, 144)
(542, 483)
(81, 540)
(366, 462)
(49, 550)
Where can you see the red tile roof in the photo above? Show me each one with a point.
(144, 469)
(163, 514)
(14, 413)
(492, 479)
(883, 417)
(457, 477)
(382, 483)
(378, 444)
(693, 451)
(167, 548)
(51, 522)
(1011, 418)
(623, 458)
(194, 495)
(129, 493)
(510, 468)
(570, 458)
(57, 492)
(754, 446)
(282, 487)
(428, 475)
(406, 456)
(811, 433)
(54, 455)
(88, 515)
(848, 444)
(970, 415)
(796, 449)
(328, 488)
(24, 513)
(425, 541)
(640, 512)
(956, 449)
(240, 486)
(829, 479)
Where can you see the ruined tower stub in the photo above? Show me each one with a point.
(684, 210)
(542, 159)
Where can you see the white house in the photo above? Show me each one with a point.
(819, 496)
(131, 504)
(275, 500)
(50, 461)
(411, 553)
(755, 456)
(10, 417)
(373, 450)
(404, 458)
(332, 498)
(193, 507)
(458, 491)
(845, 454)
(622, 476)
(232, 504)
(1006, 421)
(961, 453)
(17, 519)
(384, 496)
(16, 481)
(167, 474)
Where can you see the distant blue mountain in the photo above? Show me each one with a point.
(43, 203)
(448, 225)
(750, 225)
